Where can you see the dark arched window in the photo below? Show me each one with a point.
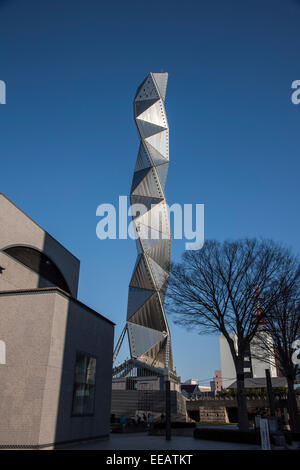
(39, 263)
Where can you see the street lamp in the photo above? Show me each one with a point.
(168, 393)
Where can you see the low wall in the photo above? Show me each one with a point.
(128, 402)
(232, 403)
(216, 414)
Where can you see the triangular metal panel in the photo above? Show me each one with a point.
(136, 262)
(150, 315)
(160, 142)
(149, 186)
(143, 160)
(155, 114)
(162, 171)
(138, 176)
(156, 355)
(147, 90)
(143, 338)
(141, 106)
(163, 291)
(157, 218)
(161, 80)
(142, 276)
(156, 157)
(149, 237)
(149, 202)
(147, 129)
(139, 247)
(159, 274)
(161, 254)
(137, 297)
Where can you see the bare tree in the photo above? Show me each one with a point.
(212, 291)
(276, 337)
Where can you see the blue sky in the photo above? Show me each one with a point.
(68, 141)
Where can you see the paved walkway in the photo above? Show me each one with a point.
(141, 441)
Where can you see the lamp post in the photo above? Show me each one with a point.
(168, 405)
(168, 393)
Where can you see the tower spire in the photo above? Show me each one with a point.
(147, 326)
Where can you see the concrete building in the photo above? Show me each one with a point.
(188, 390)
(191, 382)
(216, 383)
(56, 353)
(261, 383)
(253, 367)
(227, 364)
(258, 366)
(195, 391)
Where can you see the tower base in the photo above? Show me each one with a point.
(138, 391)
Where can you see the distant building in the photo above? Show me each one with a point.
(188, 389)
(195, 391)
(258, 366)
(261, 383)
(216, 383)
(56, 360)
(227, 364)
(202, 392)
(253, 367)
(191, 382)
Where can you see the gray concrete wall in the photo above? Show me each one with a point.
(193, 405)
(26, 323)
(88, 333)
(213, 415)
(127, 402)
(16, 228)
(42, 332)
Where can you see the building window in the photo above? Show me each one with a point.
(84, 385)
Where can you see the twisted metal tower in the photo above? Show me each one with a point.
(147, 326)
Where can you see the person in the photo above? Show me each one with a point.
(123, 421)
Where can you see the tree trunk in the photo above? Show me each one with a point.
(293, 408)
(241, 398)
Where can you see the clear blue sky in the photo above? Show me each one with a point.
(68, 140)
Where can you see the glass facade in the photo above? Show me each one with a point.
(84, 385)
